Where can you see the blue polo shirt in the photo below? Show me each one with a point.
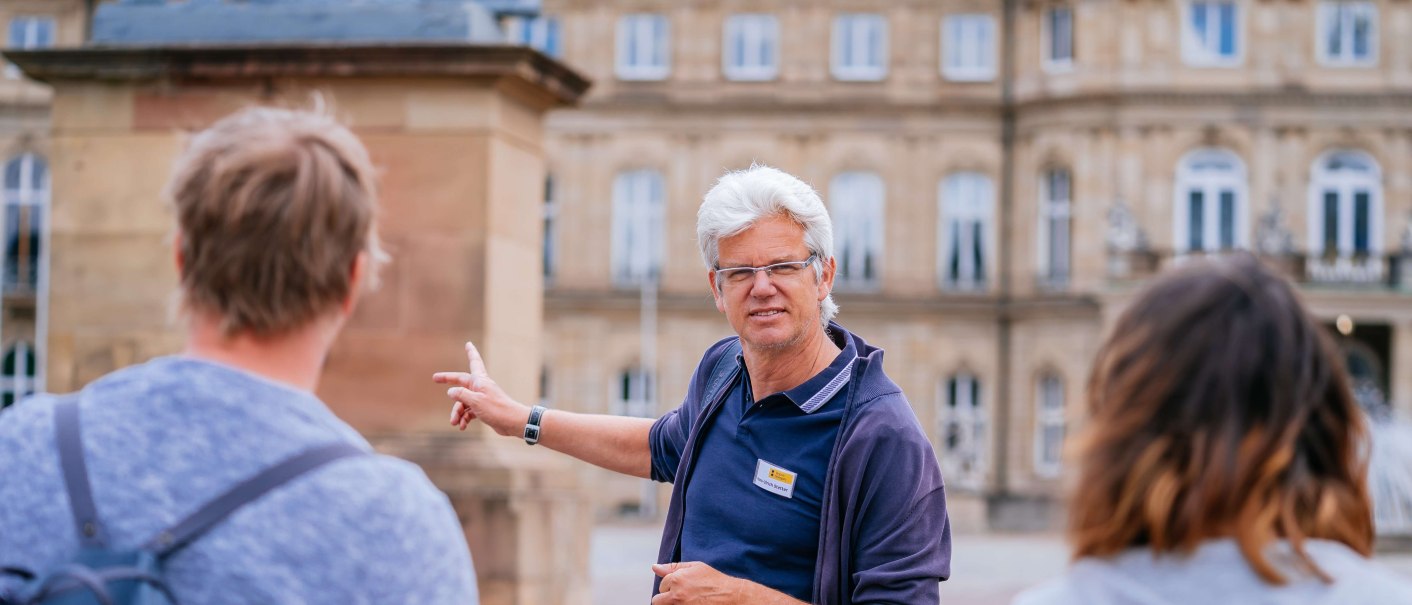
(752, 502)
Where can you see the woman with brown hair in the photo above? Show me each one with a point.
(1224, 457)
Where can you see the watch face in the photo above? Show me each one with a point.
(531, 434)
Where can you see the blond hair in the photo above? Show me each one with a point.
(273, 207)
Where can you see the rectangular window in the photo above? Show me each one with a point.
(751, 47)
(1330, 222)
(1196, 223)
(856, 203)
(1059, 38)
(1347, 33)
(1211, 36)
(1361, 231)
(964, 205)
(634, 394)
(968, 48)
(540, 33)
(28, 33)
(644, 42)
(860, 48)
(1054, 231)
(638, 207)
(963, 432)
(1228, 219)
(551, 211)
(1049, 426)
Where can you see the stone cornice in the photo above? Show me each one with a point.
(561, 301)
(557, 83)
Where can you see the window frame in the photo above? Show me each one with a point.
(550, 248)
(756, 30)
(31, 38)
(1047, 417)
(978, 210)
(635, 378)
(639, 196)
(23, 382)
(29, 200)
(1188, 179)
(852, 22)
(540, 32)
(967, 466)
(639, 29)
(1347, 59)
(1321, 178)
(1195, 52)
(1052, 209)
(954, 26)
(1047, 60)
(865, 193)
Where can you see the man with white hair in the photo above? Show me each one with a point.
(799, 471)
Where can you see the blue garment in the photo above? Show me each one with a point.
(165, 437)
(885, 536)
(777, 542)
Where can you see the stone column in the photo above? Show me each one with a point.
(457, 133)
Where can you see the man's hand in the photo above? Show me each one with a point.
(692, 583)
(477, 396)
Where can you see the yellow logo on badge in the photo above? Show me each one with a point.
(781, 476)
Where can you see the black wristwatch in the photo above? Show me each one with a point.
(532, 426)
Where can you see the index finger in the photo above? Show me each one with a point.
(473, 356)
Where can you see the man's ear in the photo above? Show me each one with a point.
(715, 292)
(177, 258)
(356, 274)
(826, 281)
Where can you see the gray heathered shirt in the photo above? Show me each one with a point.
(165, 437)
(1217, 574)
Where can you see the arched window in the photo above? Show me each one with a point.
(638, 208)
(16, 374)
(26, 204)
(1049, 425)
(1055, 210)
(856, 199)
(963, 431)
(1345, 206)
(1210, 205)
(965, 204)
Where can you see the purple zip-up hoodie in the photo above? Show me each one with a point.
(884, 535)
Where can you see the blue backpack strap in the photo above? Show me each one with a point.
(197, 523)
(70, 444)
(721, 372)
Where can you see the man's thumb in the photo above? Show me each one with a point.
(662, 569)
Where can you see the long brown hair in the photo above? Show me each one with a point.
(1218, 408)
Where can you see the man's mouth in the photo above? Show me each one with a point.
(766, 313)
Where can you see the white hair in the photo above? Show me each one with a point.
(741, 198)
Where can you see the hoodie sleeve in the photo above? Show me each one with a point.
(902, 532)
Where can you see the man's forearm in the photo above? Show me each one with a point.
(617, 443)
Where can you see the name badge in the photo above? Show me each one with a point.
(774, 479)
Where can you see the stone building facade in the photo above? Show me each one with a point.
(1003, 176)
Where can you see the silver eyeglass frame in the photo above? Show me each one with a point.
(769, 270)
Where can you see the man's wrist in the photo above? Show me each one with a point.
(532, 424)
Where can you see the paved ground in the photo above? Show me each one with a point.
(989, 569)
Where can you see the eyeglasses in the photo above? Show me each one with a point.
(739, 276)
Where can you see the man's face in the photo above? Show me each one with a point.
(771, 312)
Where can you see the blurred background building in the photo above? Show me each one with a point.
(1002, 174)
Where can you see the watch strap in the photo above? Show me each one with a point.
(532, 425)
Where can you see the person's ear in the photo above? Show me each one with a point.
(356, 274)
(826, 281)
(177, 258)
(715, 291)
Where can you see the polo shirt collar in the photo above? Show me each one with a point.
(822, 387)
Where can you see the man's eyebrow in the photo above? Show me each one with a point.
(777, 260)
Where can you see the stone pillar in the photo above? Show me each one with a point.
(1400, 369)
(457, 133)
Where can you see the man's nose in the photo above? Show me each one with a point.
(762, 284)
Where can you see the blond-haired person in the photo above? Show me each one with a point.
(275, 239)
(1223, 457)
